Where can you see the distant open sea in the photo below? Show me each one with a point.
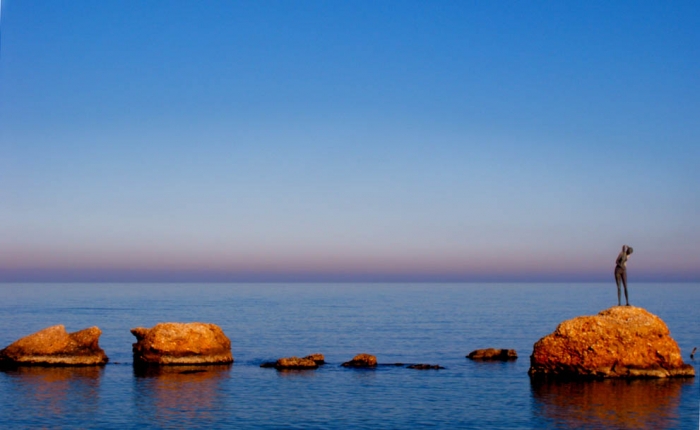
(407, 323)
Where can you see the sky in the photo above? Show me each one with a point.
(372, 141)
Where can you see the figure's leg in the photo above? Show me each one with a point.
(624, 282)
(617, 281)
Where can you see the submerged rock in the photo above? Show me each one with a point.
(493, 354)
(620, 342)
(181, 343)
(362, 360)
(424, 366)
(53, 346)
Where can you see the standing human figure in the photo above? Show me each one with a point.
(621, 272)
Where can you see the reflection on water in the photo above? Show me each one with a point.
(621, 404)
(167, 395)
(56, 392)
(296, 373)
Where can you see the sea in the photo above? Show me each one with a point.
(427, 323)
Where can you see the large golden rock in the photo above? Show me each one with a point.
(181, 343)
(620, 342)
(53, 346)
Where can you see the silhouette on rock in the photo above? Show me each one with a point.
(620, 342)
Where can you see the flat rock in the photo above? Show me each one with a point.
(53, 346)
(493, 354)
(172, 343)
(362, 360)
(620, 342)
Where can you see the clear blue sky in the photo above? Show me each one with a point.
(363, 140)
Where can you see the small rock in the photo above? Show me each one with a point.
(53, 346)
(181, 344)
(318, 358)
(362, 360)
(295, 363)
(493, 354)
(309, 362)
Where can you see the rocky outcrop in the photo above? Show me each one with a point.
(620, 342)
(362, 360)
(493, 354)
(181, 344)
(53, 346)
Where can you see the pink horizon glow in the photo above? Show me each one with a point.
(30, 264)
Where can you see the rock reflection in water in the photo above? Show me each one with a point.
(613, 403)
(167, 395)
(296, 373)
(54, 393)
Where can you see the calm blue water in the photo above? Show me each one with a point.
(409, 323)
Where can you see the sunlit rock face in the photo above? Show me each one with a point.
(180, 344)
(53, 346)
(620, 342)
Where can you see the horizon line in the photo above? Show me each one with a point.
(201, 276)
(349, 281)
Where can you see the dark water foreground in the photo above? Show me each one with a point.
(426, 323)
